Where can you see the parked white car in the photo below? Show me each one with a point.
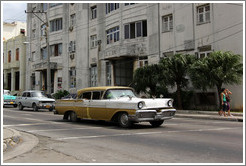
(36, 100)
(117, 104)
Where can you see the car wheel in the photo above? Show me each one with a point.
(15, 105)
(72, 117)
(124, 121)
(34, 106)
(20, 106)
(51, 109)
(156, 123)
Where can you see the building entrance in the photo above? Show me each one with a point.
(123, 72)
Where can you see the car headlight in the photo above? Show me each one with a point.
(170, 103)
(140, 105)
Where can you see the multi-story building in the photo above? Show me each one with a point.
(13, 29)
(14, 63)
(103, 43)
(14, 56)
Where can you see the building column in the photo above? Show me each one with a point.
(12, 79)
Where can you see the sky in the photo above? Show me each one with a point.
(13, 11)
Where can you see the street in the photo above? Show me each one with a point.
(179, 140)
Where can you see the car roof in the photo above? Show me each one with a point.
(102, 88)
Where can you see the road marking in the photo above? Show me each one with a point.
(30, 124)
(145, 133)
(85, 128)
(114, 135)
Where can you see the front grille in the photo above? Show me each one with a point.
(47, 102)
(147, 115)
(168, 113)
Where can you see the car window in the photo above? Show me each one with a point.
(28, 94)
(117, 93)
(24, 94)
(96, 95)
(86, 95)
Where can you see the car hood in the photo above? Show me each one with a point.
(148, 103)
(9, 97)
(44, 99)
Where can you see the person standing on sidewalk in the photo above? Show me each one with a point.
(223, 101)
(228, 99)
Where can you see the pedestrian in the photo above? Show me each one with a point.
(228, 99)
(223, 101)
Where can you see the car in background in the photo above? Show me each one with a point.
(117, 104)
(9, 99)
(36, 100)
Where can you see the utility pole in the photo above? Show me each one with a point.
(47, 47)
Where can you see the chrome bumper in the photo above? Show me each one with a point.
(152, 115)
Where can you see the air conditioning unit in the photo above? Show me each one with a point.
(71, 56)
(71, 28)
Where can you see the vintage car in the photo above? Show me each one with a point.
(36, 100)
(9, 99)
(118, 104)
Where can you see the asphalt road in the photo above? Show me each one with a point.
(179, 140)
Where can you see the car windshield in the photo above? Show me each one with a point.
(38, 94)
(6, 92)
(117, 93)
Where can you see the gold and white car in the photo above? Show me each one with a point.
(115, 103)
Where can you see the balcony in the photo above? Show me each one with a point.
(124, 50)
(15, 64)
(40, 66)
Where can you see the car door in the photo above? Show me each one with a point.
(97, 107)
(81, 105)
(27, 100)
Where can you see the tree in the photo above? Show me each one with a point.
(217, 69)
(147, 77)
(175, 69)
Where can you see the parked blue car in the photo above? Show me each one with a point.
(9, 99)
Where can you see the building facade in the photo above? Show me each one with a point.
(100, 44)
(14, 63)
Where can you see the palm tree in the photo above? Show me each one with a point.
(175, 70)
(146, 78)
(217, 69)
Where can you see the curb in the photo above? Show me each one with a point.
(10, 141)
(210, 117)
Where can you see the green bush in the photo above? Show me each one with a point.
(60, 93)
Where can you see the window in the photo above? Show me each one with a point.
(56, 50)
(203, 14)
(17, 53)
(9, 56)
(111, 7)
(204, 51)
(93, 76)
(167, 23)
(72, 20)
(56, 25)
(93, 12)
(108, 73)
(33, 56)
(86, 95)
(43, 30)
(72, 74)
(54, 4)
(44, 53)
(44, 6)
(136, 29)
(72, 46)
(34, 33)
(127, 4)
(96, 95)
(143, 61)
(113, 35)
(93, 41)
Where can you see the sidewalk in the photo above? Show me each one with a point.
(27, 141)
(212, 115)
